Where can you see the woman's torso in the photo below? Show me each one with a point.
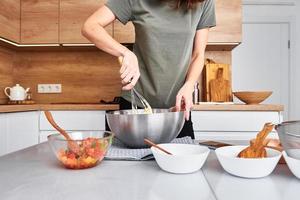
(164, 44)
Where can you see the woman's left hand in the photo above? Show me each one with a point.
(184, 99)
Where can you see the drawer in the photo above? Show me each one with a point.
(74, 120)
(232, 120)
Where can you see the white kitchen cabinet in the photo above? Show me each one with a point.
(83, 121)
(232, 125)
(18, 131)
(2, 134)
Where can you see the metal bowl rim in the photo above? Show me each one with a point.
(287, 123)
(114, 112)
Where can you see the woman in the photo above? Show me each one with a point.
(168, 55)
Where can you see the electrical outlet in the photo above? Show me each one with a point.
(49, 88)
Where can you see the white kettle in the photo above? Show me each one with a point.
(16, 93)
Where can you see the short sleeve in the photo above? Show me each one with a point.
(122, 9)
(208, 17)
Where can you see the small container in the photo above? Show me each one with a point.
(29, 96)
(196, 93)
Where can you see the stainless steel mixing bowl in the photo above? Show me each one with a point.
(289, 135)
(161, 127)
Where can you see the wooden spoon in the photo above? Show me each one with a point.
(257, 148)
(73, 146)
(150, 143)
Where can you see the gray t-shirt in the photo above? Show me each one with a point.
(163, 45)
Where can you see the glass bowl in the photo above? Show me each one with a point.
(92, 148)
(289, 135)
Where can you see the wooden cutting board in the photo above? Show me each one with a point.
(216, 88)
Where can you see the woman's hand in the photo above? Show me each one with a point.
(129, 71)
(184, 99)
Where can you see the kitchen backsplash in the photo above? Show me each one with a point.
(6, 71)
(86, 75)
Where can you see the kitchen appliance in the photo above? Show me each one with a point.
(161, 126)
(16, 93)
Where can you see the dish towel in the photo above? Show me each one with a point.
(118, 151)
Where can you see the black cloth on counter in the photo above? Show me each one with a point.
(187, 129)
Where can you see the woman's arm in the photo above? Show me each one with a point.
(93, 30)
(184, 97)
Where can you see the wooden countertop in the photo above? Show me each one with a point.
(237, 107)
(198, 107)
(35, 107)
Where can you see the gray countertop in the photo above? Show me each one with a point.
(34, 173)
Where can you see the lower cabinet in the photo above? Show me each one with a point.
(3, 134)
(23, 129)
(232, 125)
(18, 131)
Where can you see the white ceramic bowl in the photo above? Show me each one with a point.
(293, 164)
(247, 167)
(186, 158)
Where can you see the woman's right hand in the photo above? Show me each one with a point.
(129, 71)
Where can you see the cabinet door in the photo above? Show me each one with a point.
(3, 133)
(233, 121)
(75, 120)
(264, 53)
(22, 130)
(124, 33)
(73, 14)
(10, 19)
(39, 21)
(229, 22)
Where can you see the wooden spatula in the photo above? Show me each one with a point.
(257, 147)
(72, 145)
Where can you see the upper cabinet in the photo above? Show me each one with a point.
(73, 14)
(60, 22)
(39, 21)
(229, 22)
(10, 20)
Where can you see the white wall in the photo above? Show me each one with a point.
(285, 10)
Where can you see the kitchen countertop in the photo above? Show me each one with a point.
(34, 173)
(198, 107)
(237, 107)
(36, 107)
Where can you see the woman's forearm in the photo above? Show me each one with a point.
(94, 30)
(195, 70)
(198, 56)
